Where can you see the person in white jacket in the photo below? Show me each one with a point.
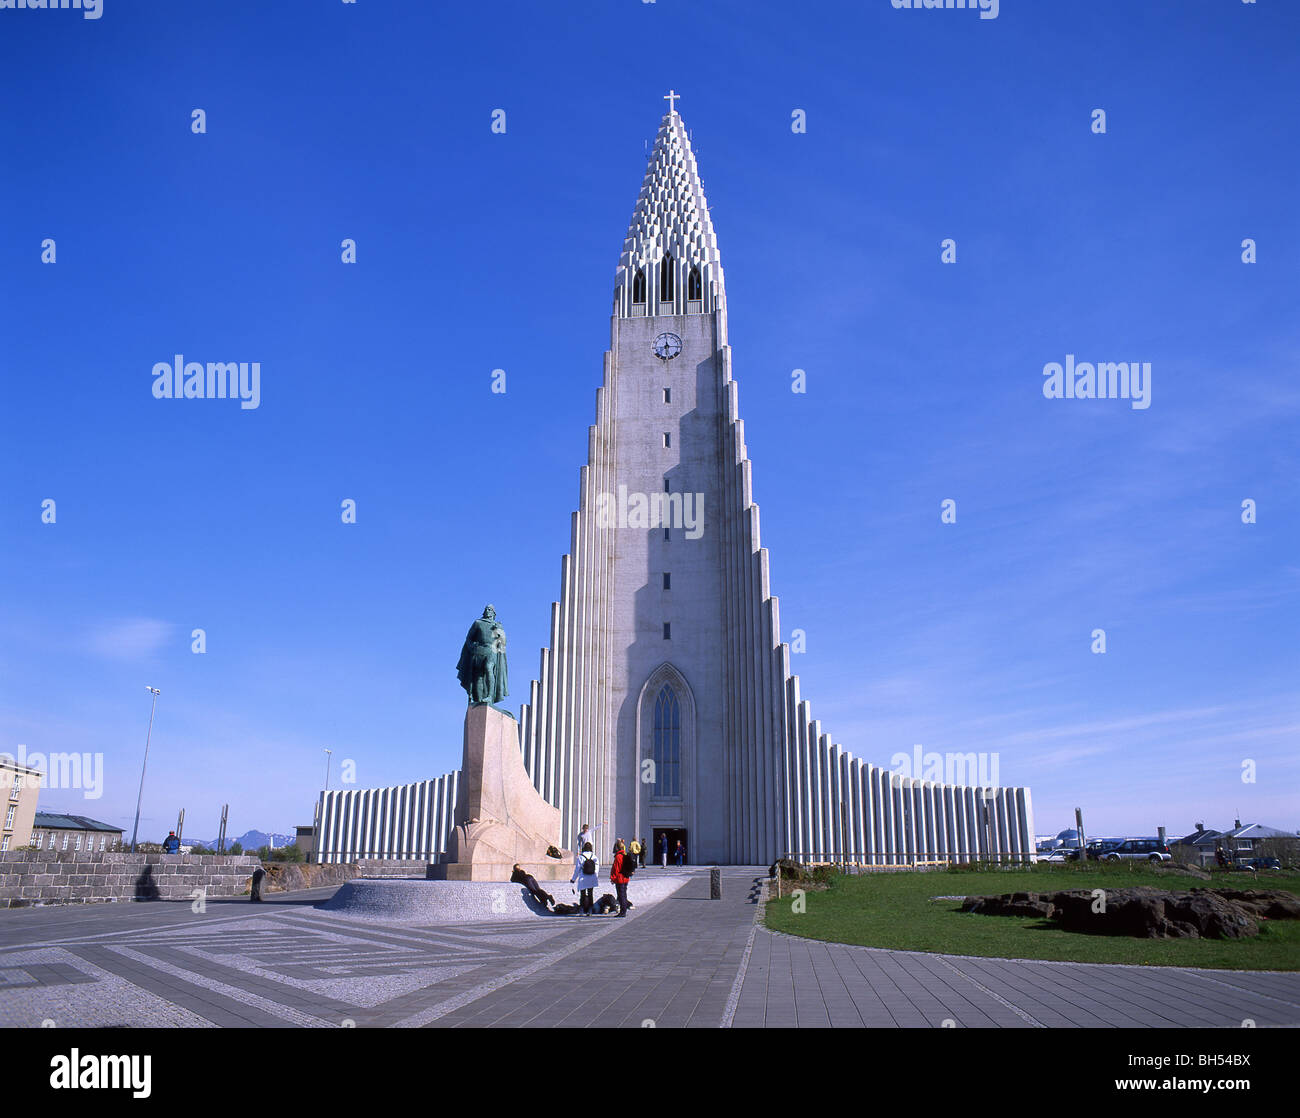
(586, 875)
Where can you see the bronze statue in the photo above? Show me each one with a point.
(482, 665)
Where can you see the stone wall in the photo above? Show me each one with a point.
(392, 867)
(29, 877)
(288, 877)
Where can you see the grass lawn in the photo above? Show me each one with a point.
(895, 910)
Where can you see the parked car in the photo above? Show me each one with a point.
(1139, 849)
(1060, 854)
(1258, 864)
(1099, 848)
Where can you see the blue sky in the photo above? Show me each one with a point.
(479, 251)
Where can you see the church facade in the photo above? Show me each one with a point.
(665, 706)
(665, 702)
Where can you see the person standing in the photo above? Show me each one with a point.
(620, 874)
(681, 853)
(644, 848)
(634, 849)
(586, 875)
(588, 834)
(663, 850)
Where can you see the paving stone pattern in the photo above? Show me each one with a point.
(685, 961)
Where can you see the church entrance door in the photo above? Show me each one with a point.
(674, 835)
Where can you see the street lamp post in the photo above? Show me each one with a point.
(153, 706)
(329, 756)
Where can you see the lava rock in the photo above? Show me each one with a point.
(1145, 912)
(1015, 904)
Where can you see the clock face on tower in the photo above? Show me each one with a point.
(667, 346)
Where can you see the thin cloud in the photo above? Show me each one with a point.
(134, 639)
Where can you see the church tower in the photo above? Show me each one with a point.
(665, 704)
(665, 701)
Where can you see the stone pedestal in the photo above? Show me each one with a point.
(500, 817)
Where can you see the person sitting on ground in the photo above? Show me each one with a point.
(529, 882)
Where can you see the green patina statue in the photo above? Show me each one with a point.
(482, 665)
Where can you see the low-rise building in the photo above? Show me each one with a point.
(305, 841)
(1197, 849)
(51, 831)
(1252, 840)
(19, 788)
(1241, 843)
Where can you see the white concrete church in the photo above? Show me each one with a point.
(665, 703)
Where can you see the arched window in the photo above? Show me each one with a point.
(638, 286)
(693, 285)
(667, 270)
(668, 744)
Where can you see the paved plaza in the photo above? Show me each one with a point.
(685, 961)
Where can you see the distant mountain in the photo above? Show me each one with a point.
(250, 840)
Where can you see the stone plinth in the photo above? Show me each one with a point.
(500, 817)
(423, 903)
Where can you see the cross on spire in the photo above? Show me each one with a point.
(671, 96)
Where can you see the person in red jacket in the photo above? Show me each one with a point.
(619, 878)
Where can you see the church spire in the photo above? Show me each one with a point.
(670, 262)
